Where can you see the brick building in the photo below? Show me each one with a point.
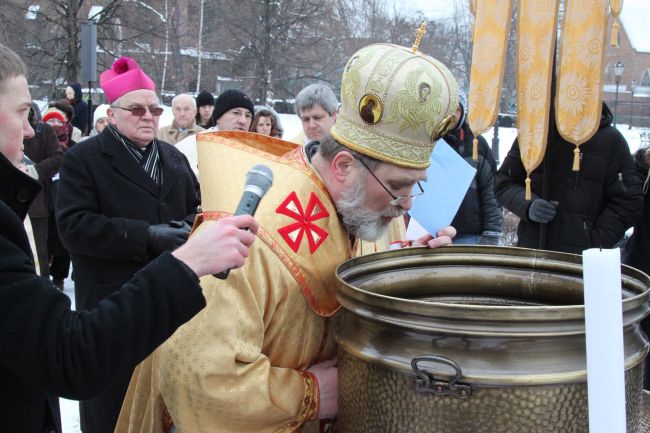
(633, 104)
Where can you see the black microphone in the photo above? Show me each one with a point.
(258, 181)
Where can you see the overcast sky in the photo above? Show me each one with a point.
(431, 8)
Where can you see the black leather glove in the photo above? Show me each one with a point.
(165, 237)
(542, 211)
(180, 224)
(489, 238)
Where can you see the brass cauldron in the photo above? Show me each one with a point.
(473, 339)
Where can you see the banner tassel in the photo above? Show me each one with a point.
(576, 159)
(614, 40)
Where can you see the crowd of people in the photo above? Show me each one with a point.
(115, 203)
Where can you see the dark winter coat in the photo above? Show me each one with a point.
(638, 246)
(105, 205)
(80, 119)
(47, 350)
(596, 204)
(479, 211)
(43, 148)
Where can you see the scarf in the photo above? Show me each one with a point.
(148, 157)
(62, 134)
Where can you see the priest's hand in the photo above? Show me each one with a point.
(326, 373)
(443, 237)
(221, 245)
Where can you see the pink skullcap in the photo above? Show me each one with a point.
(124, 76)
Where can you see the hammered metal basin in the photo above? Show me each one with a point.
(473, 339)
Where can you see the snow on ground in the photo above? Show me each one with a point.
(291, 123)
(69, 408)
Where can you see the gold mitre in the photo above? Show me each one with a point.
(396, 102)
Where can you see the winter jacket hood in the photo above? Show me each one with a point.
(77, 91)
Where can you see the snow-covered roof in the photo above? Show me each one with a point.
(193, 52)
(32, 12)
(635, 17)
(95, 12)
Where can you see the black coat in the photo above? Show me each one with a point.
(479, 211)
(80, 117)
(596, 204)
(47, 350)
(105, 205)
(638, 246)
(43, 148)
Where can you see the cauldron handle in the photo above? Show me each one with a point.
(425, 382)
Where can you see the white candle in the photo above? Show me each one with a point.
(604, 337)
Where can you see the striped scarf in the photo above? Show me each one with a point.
(148, 158)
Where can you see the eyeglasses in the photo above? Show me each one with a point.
(397, 199)
(141, 111)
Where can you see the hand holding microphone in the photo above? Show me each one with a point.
(220, 246)
(258, 181)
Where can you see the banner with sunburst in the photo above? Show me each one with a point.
(489, 54)
(580, 73)
(536, 29)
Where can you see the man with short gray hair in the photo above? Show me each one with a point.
(184, 124)
(316, 105)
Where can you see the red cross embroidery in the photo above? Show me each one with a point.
(294, 232)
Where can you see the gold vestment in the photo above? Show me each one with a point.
(239, 365)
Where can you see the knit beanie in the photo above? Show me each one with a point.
(54, 113)
(204, 98)
(100, 112)
(230, 99)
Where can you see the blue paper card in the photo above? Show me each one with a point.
(448, 178)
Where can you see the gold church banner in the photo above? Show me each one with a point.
(491, 28)
(536, 29)
(580, 73)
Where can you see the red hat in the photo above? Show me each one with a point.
(54, 113)
(124, 76)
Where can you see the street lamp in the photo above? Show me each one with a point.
(495, 141)
(618, 72)
(633, 87)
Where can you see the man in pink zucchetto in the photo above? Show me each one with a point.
(124, 198)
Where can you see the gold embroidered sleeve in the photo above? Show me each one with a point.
(310, 405)
(311, 401)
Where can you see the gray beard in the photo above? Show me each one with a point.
(360, 221)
